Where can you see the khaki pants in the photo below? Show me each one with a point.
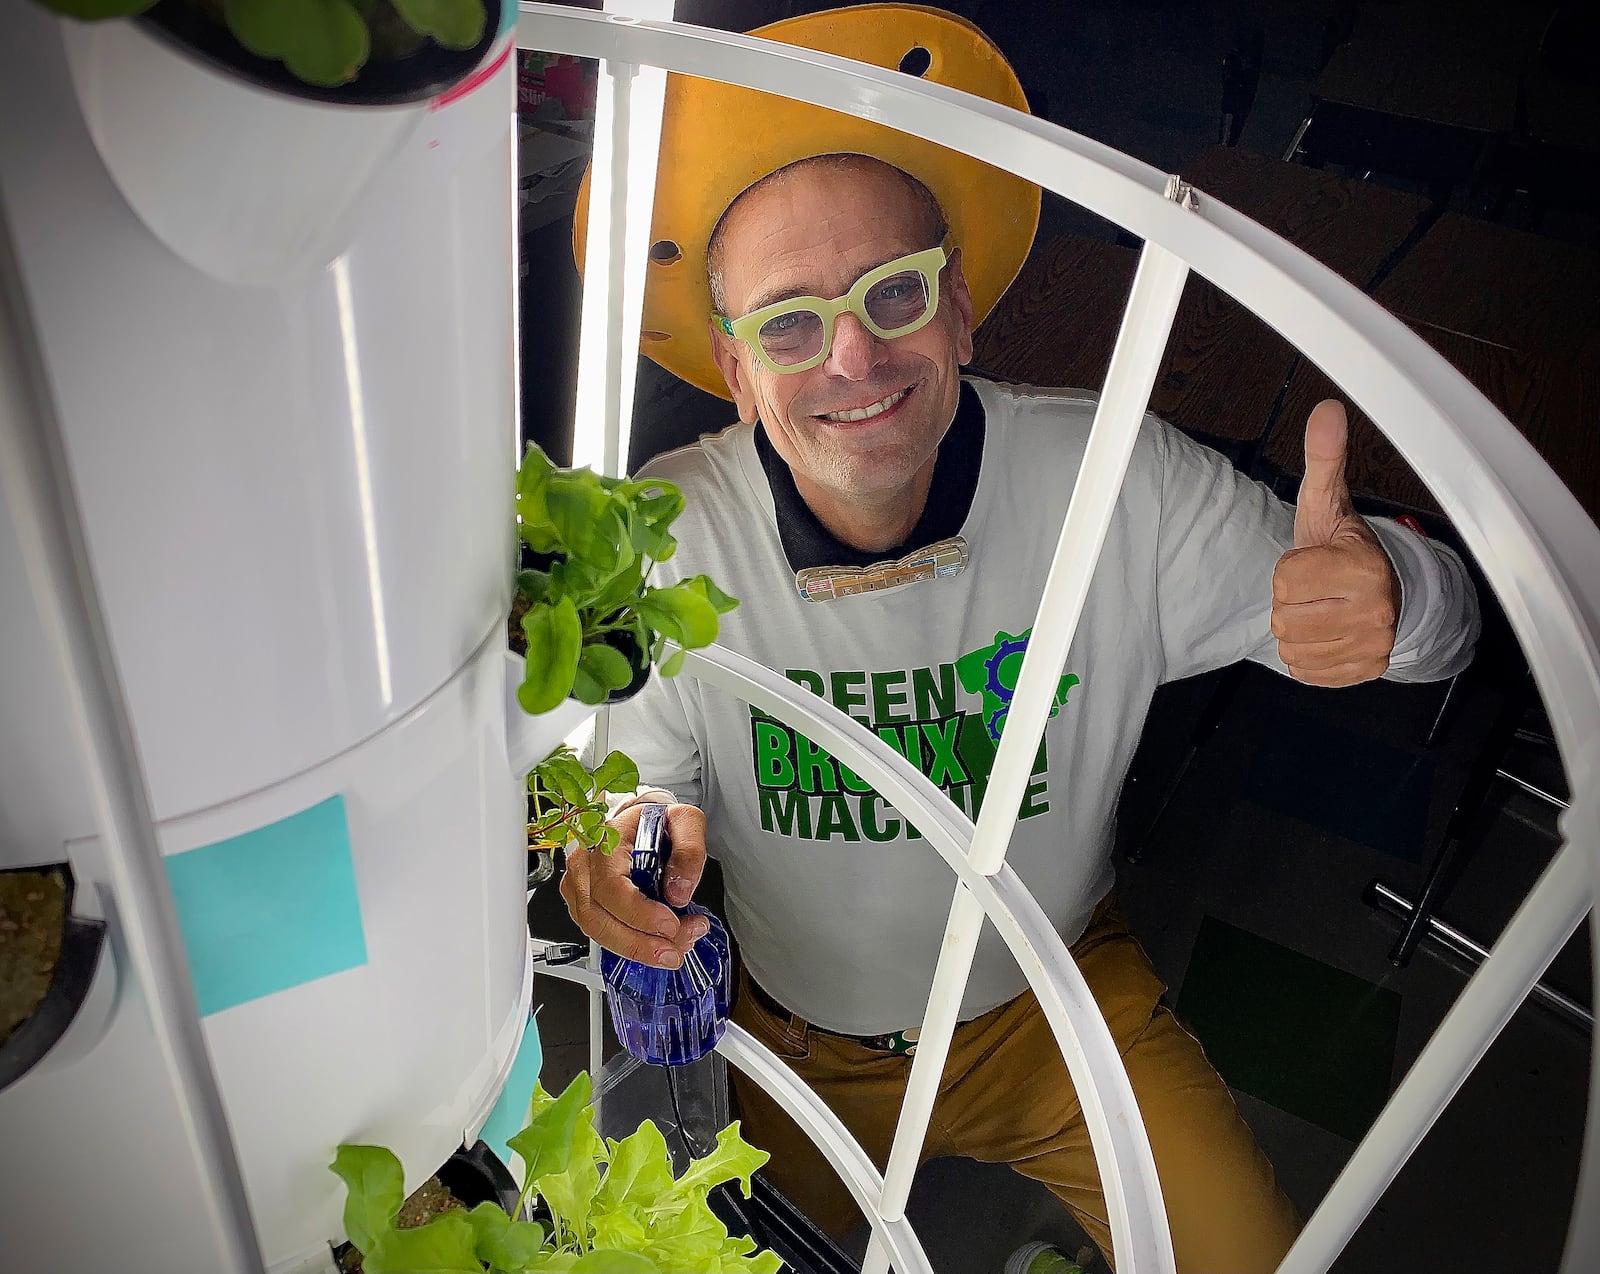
(1006, 1097)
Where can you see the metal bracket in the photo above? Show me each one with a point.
(553, 953)
(1182, 193)
(567, 961)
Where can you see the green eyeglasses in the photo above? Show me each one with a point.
(896, 299)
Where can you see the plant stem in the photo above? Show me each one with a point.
(555, 821)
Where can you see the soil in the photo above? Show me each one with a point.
(33, 915)
(430, 1200)
(515, 637)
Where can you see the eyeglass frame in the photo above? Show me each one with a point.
(748, 328)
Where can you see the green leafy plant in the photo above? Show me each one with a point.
(613, 1206)
(568, 801)
(592, 620)
(321, 42)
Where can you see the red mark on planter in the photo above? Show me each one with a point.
(474, 81)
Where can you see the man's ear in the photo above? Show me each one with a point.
(726, 351)
(961, 299)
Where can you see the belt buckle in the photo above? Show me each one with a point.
(895, 1043)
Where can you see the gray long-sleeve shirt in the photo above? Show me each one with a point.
(838, 908)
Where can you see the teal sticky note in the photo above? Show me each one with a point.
(271, 909)
(510, 1113)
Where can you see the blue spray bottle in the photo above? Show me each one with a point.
(668, 1017)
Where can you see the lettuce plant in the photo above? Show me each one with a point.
(614, 1206)
(597, 539)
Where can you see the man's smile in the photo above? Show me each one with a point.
(854, 415)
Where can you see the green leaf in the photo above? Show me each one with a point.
(565, 776)
(505, 1244)
(589, 824)
(554, 640)
(553, 1263)
(535, 526)
(546, 1143)
(658, 502)
(375, 1188)
(623, 1228)
(571, 579)
(534, 585)
(720, 601)
(768, 1262)
(693, 1239)
(674, 664)
(682, 614)
(488, 1220)
(446, 1245)
(586, 689)
(654, 542)
(610, 1261)
(535, 469)
(733, 1159)
(321, 41)
(569, 1194)
(606, 665)
(456, 24)
(577, 506)
(626, 584)
(737, 1245)
(640, 1170)
(539, 536)
(617, 773)
(562, 751)
(618, 537)
(95, 10)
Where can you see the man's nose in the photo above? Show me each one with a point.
(856, 351)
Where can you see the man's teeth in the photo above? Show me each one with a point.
(866, 413)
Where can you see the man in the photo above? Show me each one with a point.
(839, 314)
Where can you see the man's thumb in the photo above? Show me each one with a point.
(1324, 498)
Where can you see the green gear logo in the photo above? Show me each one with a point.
(992, 672)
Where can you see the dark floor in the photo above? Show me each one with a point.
(1248, 893)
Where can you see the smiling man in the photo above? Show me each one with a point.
(888, 525)
(856, 417)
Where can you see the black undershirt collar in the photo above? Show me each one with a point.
(807, 543)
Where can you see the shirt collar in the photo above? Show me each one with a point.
(807, 543)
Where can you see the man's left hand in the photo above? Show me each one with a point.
(1335, 596)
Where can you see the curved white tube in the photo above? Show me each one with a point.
(35, 486)
(1127, 1167)
(831, 1137)
(1541, 926)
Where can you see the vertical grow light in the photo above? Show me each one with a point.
(627, 144)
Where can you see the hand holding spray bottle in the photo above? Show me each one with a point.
(668, 1017)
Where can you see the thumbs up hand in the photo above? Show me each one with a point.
(1335, 596)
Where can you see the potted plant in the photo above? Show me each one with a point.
(373, 51)
(48, 960)
(591, 621)
(613, 1206)
(331, 95)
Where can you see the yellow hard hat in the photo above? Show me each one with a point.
(718, 140)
